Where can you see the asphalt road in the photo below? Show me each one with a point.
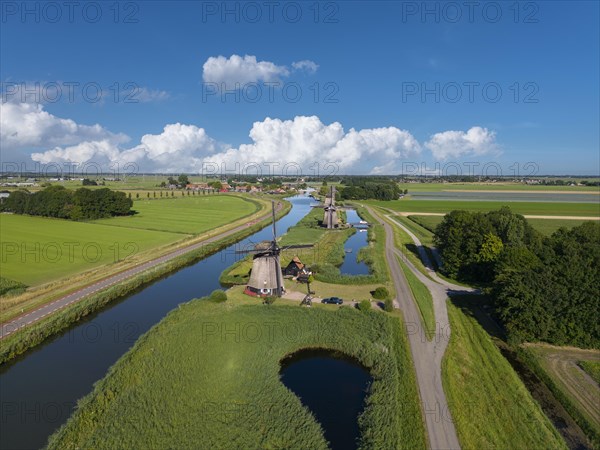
(427, 355)
(7, 328)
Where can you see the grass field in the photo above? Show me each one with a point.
(490, 406)
(423, 298)
(592, 368)
(188, 215)
(225, 391)
(544, 226)
(526, 208)
(36, 250)
(437, 187)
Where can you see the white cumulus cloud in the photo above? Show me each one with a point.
(476, 141)
(30, 126)
(238, 70)
(306, 140)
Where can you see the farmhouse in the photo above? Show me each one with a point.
(294, 268)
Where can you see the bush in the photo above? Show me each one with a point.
(381, 293)
(364, 305)
(269, 300)
(218, 296)
(388, 305)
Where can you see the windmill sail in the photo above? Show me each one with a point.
(266, 278)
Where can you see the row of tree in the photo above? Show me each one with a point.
(359, 188)
(545, 288)
(81, 204)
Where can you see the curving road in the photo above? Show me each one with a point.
(7, 328)
(427, 355)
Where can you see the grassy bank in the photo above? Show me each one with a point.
(490, 406)
(30, 336)
(225, 391)
(534, 360)
(592, 368)
(423, 298)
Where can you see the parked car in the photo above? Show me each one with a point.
(333, 300)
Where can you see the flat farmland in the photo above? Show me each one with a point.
(187, 215)
(544, 226)
(525, 208)
(37, 250)
(438, 187)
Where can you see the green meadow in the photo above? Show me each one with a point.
(209, 373)
(490, 405)
(187, 215)
(525, 208)
(37, 250)
(438, 187)
(544, 226)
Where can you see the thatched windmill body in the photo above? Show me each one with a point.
(266, 278)
(330, 218)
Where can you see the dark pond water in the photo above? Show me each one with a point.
(357, 241)
(39, 390)
(333, 387)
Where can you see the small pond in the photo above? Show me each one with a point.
(333, 387)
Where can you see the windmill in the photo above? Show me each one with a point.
(266, 277)
(330, 219)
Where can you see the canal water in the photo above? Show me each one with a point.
(333, 387)
(357, 241)
(39, 390)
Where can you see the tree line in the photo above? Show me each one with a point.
(544, 288)
(359, 188)
(62, 203)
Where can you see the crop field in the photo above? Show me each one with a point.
(226, 391)
(37, 250)
(490, 405)
(525, 208)
(484, 187)
(544, 226)
(187, 215)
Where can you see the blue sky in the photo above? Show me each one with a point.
(368, 62)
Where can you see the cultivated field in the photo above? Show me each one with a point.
(486, 187)
(36, 250)
(226, 392)
(525, 208)
(187, 215)
(544, 226)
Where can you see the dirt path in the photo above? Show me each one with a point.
(561, 363)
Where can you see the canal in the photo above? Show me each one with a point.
(351, 266)
(39, 390)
